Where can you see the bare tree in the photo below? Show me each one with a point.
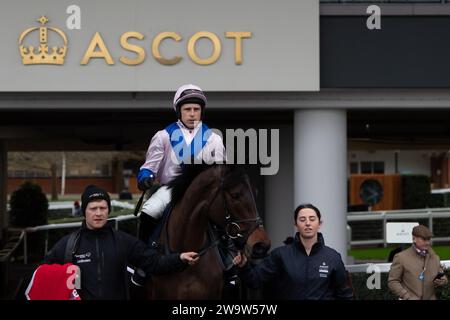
(78, 163)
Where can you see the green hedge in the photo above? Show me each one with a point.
(416, 191)
(439, 200)
(29, 206)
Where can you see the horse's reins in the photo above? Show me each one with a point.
(139, 203)
(213, 244)
(205, 248)
(229, 223)
(235, 223)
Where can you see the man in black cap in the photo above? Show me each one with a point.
(103, 254)
(416, 272)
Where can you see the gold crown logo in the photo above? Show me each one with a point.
(42, 55)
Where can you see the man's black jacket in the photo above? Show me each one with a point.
(103, 256)
(296, 276)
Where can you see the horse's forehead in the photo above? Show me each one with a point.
(228, 177)
(216, 173)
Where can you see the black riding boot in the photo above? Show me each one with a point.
(147, 226)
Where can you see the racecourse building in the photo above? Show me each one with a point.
(319, 91)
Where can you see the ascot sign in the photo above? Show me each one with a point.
(97, 48)
(157, 45)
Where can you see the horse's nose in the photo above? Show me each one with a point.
(260, 250)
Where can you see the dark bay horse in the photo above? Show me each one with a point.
(208, 195)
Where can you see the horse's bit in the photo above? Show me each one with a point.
(232, 226)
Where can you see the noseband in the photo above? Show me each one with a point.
(232, 228)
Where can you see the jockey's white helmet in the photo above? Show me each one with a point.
(188, 93)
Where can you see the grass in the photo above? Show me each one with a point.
(382, 253)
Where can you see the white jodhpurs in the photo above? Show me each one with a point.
(156, 204)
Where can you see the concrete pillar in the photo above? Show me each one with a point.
(320, 174)
(279, 193)
(3, 187)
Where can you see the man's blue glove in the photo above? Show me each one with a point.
(145, 183)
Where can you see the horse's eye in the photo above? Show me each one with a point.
(235, 196)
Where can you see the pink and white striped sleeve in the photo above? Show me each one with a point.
(155, 153)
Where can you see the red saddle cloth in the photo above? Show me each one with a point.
(53, 282)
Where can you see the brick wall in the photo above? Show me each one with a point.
(73, 185)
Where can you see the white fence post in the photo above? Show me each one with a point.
(384, 228)
(398, 215)
(349, 237)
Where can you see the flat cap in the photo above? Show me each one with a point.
(422, 231)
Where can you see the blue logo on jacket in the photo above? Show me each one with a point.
(183, 151)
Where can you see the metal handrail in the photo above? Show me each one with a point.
(58, 205)
(381, 267)
(351, 216)
(427, 213)
(8, 256)
(385, 1)
(56, 226)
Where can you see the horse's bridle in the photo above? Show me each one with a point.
(238, 238)
(232, 226)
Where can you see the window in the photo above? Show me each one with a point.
(354, 167)
(378, 167)
(366, 167)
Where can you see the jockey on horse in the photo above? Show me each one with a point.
(179, 143)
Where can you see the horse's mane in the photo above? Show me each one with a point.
(234, 175)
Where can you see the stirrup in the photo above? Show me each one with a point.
(155, 245)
